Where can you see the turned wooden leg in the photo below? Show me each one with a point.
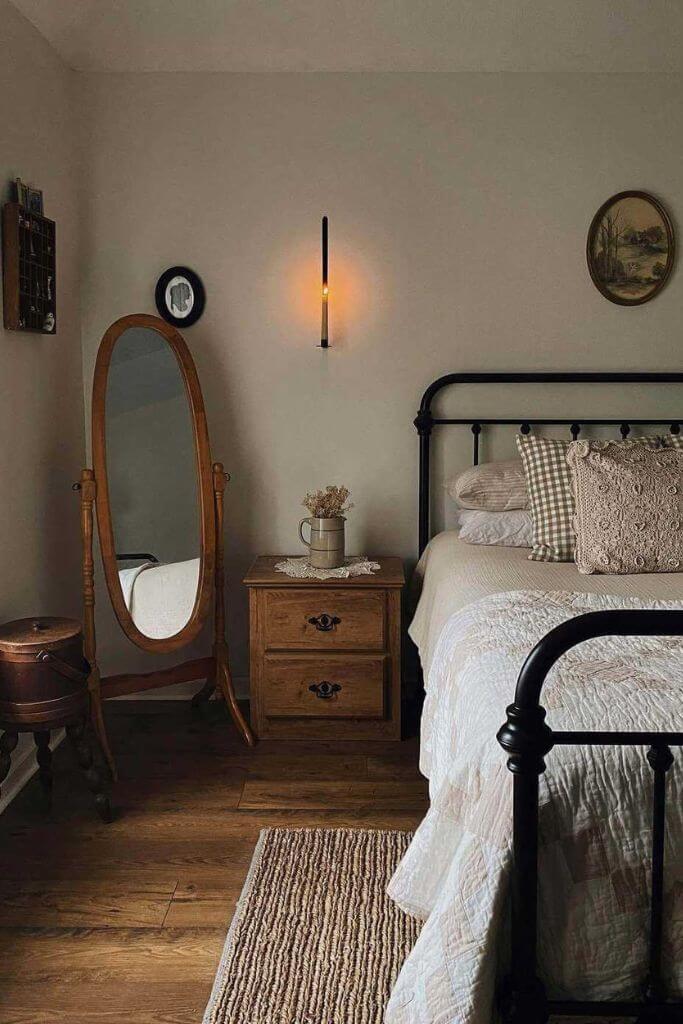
(207, 691)
(97, 720)
(225, 683)
(8, 742)
(44, 759)
(77, 735)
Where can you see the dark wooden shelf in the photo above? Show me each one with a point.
(29, 270)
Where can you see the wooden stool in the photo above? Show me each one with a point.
(44, 686)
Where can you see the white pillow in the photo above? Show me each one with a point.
(491, 487)
(512, 529)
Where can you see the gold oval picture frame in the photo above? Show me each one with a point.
(630, 248)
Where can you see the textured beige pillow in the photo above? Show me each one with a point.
(491, 487)
(628, 507)
(549, 485)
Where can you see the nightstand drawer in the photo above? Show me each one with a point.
(324, 687)
(323, 618)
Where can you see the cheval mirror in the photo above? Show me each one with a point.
(159, 503)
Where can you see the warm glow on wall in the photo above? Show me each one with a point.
(352, 288)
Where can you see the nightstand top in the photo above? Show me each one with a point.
(263, 574)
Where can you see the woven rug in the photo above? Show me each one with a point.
(314, 939)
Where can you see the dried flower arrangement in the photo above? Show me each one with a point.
(328, 504)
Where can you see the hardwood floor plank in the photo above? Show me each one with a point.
(109, 1002)
(73, 903)
(194, 905)
(319, 794)
(106, 954)
(190, 1014)
(217, 791)
(239, 765)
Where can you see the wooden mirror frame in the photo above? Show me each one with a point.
(205, 490)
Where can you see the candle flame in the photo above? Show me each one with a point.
(325, 290)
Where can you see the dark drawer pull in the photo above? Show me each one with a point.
(324, 690)
(324, 622)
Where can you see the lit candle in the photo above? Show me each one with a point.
(323, 331)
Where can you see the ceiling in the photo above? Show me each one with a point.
(362, 35)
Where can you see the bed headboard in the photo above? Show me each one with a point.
(425, 422)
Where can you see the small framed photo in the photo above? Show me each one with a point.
(35, 200)
(180, 296)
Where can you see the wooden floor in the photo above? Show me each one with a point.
(125, 923)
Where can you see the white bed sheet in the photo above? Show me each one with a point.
(452, 574)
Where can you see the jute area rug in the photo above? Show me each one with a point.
(315, 939)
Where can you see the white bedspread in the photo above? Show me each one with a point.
(594, 816)
(452, 574)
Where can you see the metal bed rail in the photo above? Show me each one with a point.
(425, 422)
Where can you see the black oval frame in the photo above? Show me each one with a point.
(197, 288)
(670, 241)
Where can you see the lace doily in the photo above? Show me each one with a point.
(301, 568)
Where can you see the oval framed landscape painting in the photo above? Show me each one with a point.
(631, 248)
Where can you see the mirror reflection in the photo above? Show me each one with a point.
(153, 484)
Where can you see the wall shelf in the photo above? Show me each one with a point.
(29, 270)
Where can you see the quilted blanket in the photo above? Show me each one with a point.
(595, 814)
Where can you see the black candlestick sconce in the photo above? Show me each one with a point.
(324, 332)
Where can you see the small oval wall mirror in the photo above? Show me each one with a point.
(154, 489)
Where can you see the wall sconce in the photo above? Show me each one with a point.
(324, 336)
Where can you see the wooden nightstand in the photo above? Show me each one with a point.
(325, 655)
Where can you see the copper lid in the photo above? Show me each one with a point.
(28, 635)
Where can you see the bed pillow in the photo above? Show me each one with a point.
(513, 529)
(491, 487)
(629, 507)
(549, 484)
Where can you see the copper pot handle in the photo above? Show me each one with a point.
(64, 668)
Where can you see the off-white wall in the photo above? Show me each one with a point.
(458, 207)
(41, 400)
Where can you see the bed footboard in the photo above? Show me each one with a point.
(527, 738)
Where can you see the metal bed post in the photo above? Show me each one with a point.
(527, 738)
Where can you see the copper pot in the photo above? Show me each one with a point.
(43, 674)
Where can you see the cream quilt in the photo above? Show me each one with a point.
(596, 806)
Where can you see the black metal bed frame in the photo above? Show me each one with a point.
(527, 738)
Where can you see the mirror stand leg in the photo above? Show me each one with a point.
(225, 682)
(97, 720)
(76, 732)
(207, 691)
(220, 647)
(87, 488)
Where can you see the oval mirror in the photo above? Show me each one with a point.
(153, 476)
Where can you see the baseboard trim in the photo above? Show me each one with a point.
(24, 766)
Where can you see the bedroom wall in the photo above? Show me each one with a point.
(41, 399)
(458, 205)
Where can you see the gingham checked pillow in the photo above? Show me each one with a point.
(673, 440)
(549, 483)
